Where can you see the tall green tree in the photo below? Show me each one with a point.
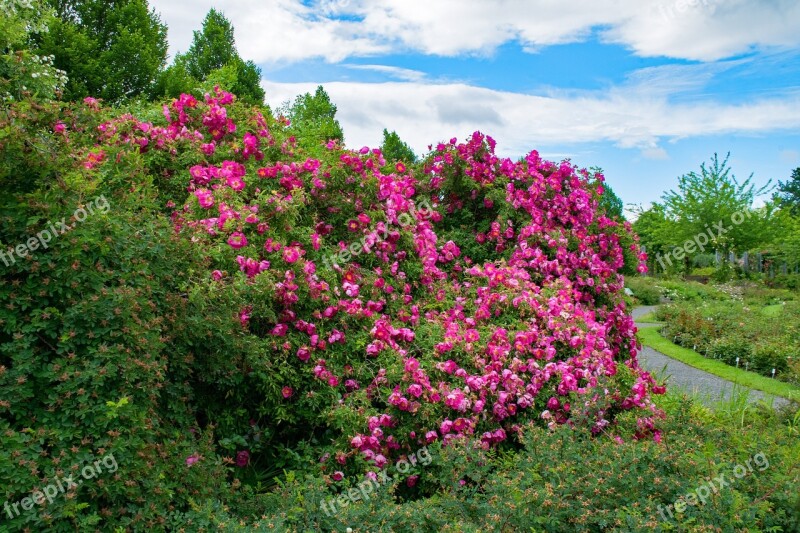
(213, 46)
(313, 120)
(789, 193)
(608, 202)
(213, 56)
(710, 203)
(656, 236)
(111, 49)
(395, 149)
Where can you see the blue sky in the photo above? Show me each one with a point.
(646, 90)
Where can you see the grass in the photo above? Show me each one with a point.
(649, 318)
(772, 310)
(652, 338)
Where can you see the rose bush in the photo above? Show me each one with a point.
(334, 309)
(498, 304)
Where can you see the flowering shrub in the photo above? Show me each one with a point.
(499, 304)
(335, 307)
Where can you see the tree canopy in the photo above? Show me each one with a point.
(212, 55)
(395, 149)
(789, 193)
(703, 201)
(109, 49)
(313, 119)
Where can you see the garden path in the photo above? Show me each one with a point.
(708, 387)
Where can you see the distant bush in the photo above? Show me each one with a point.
(704, 271)
(741, 329)
(643, 290)
(784, 281)
(703, 261)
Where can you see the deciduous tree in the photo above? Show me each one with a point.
(109, 49)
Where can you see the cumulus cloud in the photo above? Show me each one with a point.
(405, 74)
(423, 113)
(290, 30)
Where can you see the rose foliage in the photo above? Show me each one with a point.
(497, 303)
(341, 309)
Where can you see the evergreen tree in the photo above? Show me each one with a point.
(314, 120)
(212, 56)
(789, 193)
(394, 149)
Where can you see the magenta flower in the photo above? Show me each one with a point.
(237, 240)
(304, 354)
(338, 476)
(192, 459)
(287, 392)
(204, 197)
(291, 254)
(242, 458)
(236, 183)
(244, 315)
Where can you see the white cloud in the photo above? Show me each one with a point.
(404, 74)
(288, 30)
(424, 113)
(656, 153)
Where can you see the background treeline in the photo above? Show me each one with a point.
(745, 231)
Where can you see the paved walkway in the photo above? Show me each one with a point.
(710, 388)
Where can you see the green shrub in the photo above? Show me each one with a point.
(723, 273)
(731, 350)
(704, 271)
(785, 281)
(643, 290)
(749, 329)
(560, 480)
(704, 261)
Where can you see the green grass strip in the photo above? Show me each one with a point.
(649, 318)
(772, 310)
(652, 338)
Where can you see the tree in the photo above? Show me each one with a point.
(654, 230)
(789, 193)
(608, 202)
(174, 80)
(212, 56)
(394, 149)
(109, 49)
(314, 120)
(213, 46)
(716, 204)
